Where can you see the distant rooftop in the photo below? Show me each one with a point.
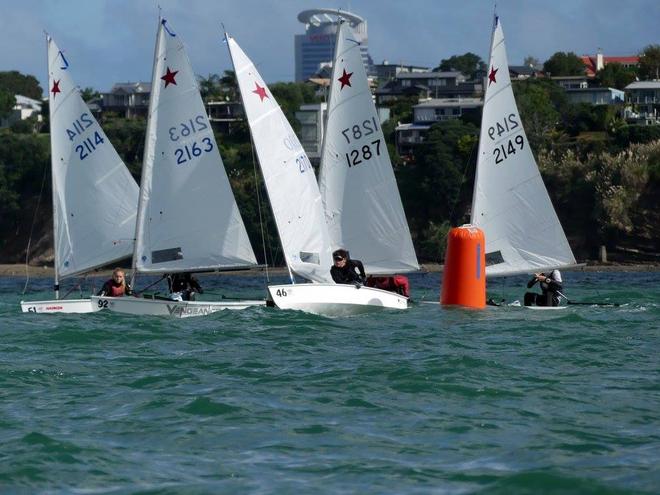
(316, 17)
(591, 62)
(428, 75)
(131, 87)
(644, 85)
(26, 102)
(450, 102)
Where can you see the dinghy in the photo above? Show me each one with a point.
(297, 207)
(510, 202)
(94, 196)
(188, 220)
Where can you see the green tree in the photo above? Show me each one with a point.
(7, 102)
(290, 96)
(564, 64)
(89, 94)
(229, 85)
(531, 61)
(436, 187)
(468, 64)
(540, 103)
(219, 87)
(127, 136)
(649, 62)
(584, 117)
(18, 84)
(24, 126)
(615, 75)
(209, 87)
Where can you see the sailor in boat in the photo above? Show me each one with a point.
(116, 286)
(346, 270)
(183, 287)
(551, 287)
(394, 283)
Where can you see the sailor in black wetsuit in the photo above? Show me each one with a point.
(551, 286)
(347, 271)
(184, 284)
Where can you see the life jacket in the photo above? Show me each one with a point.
(117, 291)
(395, 283)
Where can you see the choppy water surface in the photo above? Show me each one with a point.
(430, 400)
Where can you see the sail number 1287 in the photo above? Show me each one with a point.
(358, 131)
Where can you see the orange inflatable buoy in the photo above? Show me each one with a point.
(464, 274)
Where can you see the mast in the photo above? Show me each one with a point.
(483, 109)
(56, 281)
(141, 210)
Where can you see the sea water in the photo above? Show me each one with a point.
(429, 400)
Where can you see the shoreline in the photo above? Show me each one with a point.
(45, 271)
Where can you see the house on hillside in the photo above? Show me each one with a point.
(427, 113)
(596, 96)
(644, 100)
(449, 84)
(595, 63)
(129, 99)
(23, 109)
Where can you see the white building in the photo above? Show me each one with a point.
(23, 109)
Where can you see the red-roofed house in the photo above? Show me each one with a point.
(594, 64)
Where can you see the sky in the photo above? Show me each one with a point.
(108, 41)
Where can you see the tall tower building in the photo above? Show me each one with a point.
(315, 48)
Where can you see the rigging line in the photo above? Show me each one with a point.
(34, 219)
(83, 280)
(152, 284)
(76, 286)
(261, 223)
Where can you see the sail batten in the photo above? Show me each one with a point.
(188, 219)
(362, 204)
(510, 202)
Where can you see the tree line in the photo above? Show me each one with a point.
(602, 174)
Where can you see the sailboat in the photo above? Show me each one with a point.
(362, 203)
(297, 206)
(94, 195)
(510, 202)
(188, 220)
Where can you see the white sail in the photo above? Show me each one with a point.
(361, 198)
(292, 188)
(94, 196)
(510, 202)
(188, 219)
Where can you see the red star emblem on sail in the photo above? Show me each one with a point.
(260, 91)
(56, 88)
(345, 79)
(169, 77)
(491, 76)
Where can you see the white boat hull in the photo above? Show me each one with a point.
(59, 306)
(544, 308)
(334, 299)
(174, 309)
